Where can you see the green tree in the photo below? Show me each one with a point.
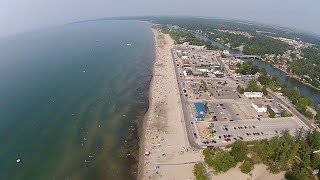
(272, 115)
(240, 89)
(252, 86)
(299, 172)
(264, 79)
(314, 139)
(239, 150)
(246, 167)
(265, 91)
(275, 79)
(198, 172)
(223, 161)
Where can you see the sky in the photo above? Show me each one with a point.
(17, 16)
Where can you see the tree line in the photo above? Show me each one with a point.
(286, 153)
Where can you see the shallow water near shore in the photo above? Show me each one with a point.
(69, 96)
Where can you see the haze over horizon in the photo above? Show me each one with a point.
(17, 17)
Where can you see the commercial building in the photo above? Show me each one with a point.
(253, 94)
(259, 108)
(273, 109)
(200, 108)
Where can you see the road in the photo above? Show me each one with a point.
(184, 104)
(304, 120)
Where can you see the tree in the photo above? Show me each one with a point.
(198, 170)
(246, 167)
(264, 90)
(314, 139)
(239, 150)
(299, 172)
(285, 113)
(240, 89)
(272, 115)
(223, 161)
(264, 79)
(275, 79)
(315, 161)
(252, 86)
(263, 71)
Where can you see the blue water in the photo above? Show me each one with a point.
(68, 96)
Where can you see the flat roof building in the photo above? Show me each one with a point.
(259, 108)
(253, 94)
(200, 108)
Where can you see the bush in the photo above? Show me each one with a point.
(198, 170)
(246, 167)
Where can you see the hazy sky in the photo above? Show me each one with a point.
(24, 15)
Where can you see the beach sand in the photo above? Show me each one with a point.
(164, 134)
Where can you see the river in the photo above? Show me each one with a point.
(304, 90)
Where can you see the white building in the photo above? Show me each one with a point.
(204, 69)
(184, 57)
(253, 94)
(259, 108)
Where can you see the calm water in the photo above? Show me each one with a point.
(304, 90)
(68, 97)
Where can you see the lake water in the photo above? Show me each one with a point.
(68, 98)
(304, 90)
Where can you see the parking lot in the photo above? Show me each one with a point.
(223, 112)
(224, 93)
(227, 132)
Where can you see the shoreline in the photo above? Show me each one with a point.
(162, 130)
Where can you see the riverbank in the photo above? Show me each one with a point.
(163, 134)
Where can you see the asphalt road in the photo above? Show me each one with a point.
(303, 119)
(184, 104)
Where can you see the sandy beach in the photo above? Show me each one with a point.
(163, 133)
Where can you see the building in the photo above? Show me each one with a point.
(204, 69)
(184, 57)
(259, 108)
(273, 109)
(218, 74)
(200, 108)
(199, 118)
(253, 94)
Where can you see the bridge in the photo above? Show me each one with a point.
(246, 56)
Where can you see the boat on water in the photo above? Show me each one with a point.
(128, 44)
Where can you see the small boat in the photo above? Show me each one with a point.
(18, 160)
(84, 71)
(128, 44)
